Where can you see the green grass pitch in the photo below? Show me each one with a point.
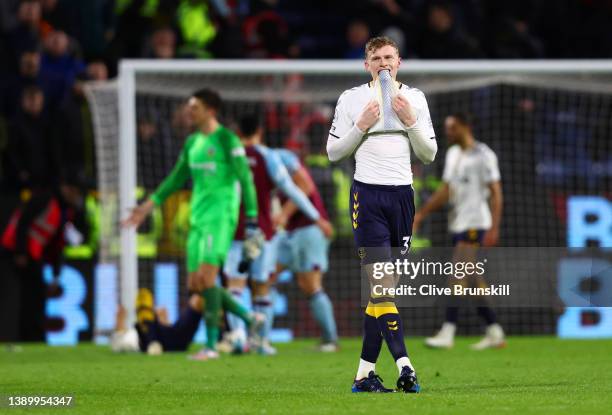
(533, 375)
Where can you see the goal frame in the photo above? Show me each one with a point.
(130, 68)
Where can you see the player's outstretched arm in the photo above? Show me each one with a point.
(300, 177)
(138, 214)
(282, 180)
(174, 181)
(306, 186)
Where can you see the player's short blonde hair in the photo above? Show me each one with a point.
(378, 42)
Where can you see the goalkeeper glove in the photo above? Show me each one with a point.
(253, 239)
(251, 248)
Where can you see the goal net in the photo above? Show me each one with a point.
(549, 124)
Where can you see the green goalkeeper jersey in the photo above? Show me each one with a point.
(215, 162)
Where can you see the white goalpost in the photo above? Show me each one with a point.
(530, 112)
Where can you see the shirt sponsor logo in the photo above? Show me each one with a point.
(238, 151)
(210, 166)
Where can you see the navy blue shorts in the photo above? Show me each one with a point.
(382, 218)
(174, 338)
(473, 236)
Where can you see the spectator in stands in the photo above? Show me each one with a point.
(97, 71)
(162, 44)
(397, 12)
(443, 39)
(196, 27)
(26, 35)
(266, 36)
(33, 157)
(8, 15)
(134, 21)
(54, 17)
(399, 37)
(59, 68)
(90, 22)
(357, 34)
(513, 40)
(228, 43)
(29, 65)
(73, 132)
(12, 86)
(398, 15)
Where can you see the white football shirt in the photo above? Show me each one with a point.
(385, 158)
(468, 174)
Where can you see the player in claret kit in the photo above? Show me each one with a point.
(214, 158)
(269, 174)
(379, 122)
(304, 249)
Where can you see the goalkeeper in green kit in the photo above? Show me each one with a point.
(215, 159)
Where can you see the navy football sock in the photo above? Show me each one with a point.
(487, 314)
(452, 314)
(390, 326)
(372, 339)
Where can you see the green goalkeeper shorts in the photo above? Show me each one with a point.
(209, 243)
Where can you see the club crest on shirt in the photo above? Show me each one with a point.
(361, 252)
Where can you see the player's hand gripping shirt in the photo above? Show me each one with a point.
(214, 162)
(468, 174)
(383, 157)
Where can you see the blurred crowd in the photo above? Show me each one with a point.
(49, 47)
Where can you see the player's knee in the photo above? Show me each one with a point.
(261, 288)
(207, 276)
(236, 283)
(309, 283)
(207, 283)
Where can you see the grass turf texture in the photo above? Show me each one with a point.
(533, 375)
